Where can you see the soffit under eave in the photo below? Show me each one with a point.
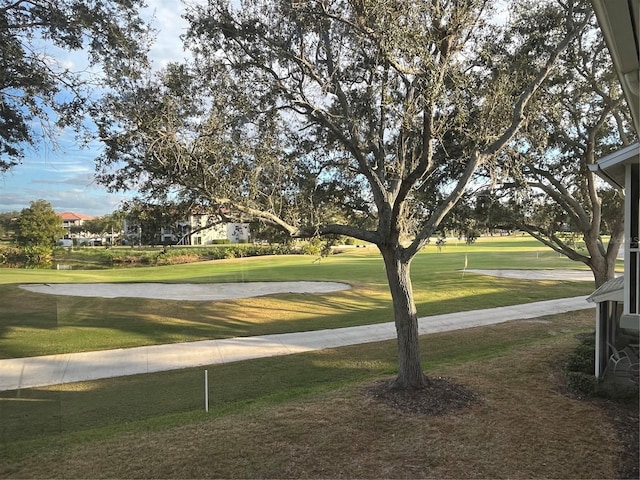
(612, 167)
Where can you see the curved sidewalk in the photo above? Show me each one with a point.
(17, 373)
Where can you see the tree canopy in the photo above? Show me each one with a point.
(8, 224)
(366, 118)
(580, 117)
(38, 225)
(40, 93)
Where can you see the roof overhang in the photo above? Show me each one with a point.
(612, 167)
(620, 24)
(611, 291)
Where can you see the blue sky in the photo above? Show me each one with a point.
(64, 177)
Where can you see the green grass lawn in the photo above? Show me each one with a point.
(306, 415)
(34, 324)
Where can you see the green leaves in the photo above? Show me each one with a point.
(37, 87)
(38, 226)
(370, 116)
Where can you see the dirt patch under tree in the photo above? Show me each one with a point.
(438, 397)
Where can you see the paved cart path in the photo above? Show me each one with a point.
(46, 370)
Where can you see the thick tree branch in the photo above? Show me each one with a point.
(561, 195)
(518, 117)
(554, 242)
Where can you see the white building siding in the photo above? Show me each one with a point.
(234, 232)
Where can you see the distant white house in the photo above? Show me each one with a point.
(205, 230)
(73, 219)
(197, 229)
(72, 222)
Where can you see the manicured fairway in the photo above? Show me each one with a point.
(36, 324)
(306, 415)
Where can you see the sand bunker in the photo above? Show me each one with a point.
(227, 291)
(569, 275)
(184, 291)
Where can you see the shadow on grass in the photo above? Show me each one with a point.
(33, 418)
(37, 324)
(33, 413)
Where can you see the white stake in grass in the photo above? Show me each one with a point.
(206, 391)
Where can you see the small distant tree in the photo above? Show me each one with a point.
(145, 221)
(38, 225)
(104, 224)
(460, 220)
(77, 229)
(8, 225)
(491, 212)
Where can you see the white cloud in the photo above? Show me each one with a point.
(65, 176)
(166, 17)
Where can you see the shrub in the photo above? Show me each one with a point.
(581, 383)
(582, 358)
(11, 256)
(180, 258)
(228, 253)
(579, 366)
(313, 247)
(37, 255)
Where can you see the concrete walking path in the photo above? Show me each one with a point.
(30, 372)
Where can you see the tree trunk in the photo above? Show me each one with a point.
(602, 265)
(600, 273)
(410, 373)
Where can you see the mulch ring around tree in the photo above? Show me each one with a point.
(438, 397)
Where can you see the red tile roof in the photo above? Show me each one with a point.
(75, 216)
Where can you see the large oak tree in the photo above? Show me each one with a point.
(578, 118)
(365, 118)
